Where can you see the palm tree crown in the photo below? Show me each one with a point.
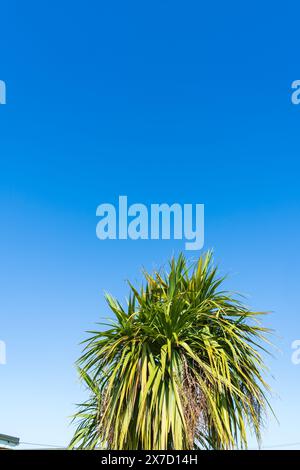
(179, 368)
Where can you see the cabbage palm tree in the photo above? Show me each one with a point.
(179, 368)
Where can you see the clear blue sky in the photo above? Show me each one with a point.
(164, 102)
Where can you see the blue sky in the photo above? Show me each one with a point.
(162, 102)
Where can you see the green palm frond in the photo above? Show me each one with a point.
(179, 368)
